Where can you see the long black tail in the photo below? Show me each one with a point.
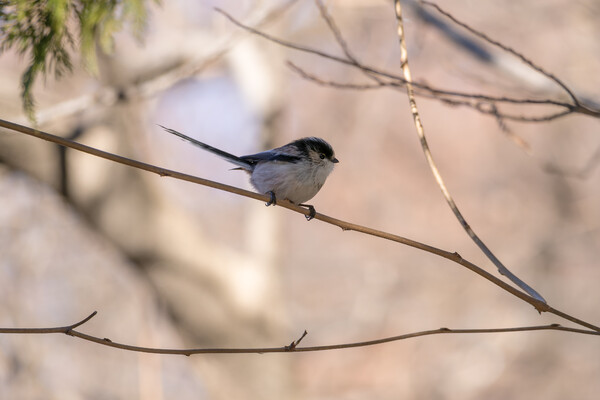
(223, 154)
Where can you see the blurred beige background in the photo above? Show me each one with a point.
(172, 264)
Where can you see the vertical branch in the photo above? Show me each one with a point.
(436, 173)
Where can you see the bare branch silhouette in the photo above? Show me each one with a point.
(484, 107)
(291, 348)
(333, 84)
(474, 100)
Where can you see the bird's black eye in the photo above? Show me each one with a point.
(322, 156)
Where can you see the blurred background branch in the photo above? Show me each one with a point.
(447, 96)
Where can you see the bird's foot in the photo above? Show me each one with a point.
(311, 211)
(272, 201)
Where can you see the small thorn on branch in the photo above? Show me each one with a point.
(292, 346)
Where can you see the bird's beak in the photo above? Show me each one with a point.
(335, 160)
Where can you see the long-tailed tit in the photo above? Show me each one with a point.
(294, 172)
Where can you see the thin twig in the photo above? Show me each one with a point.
(339, 38)
(337, 33)
(434, 169)
(484, 107)
(337, 85)
(61, 329)
(291, 348)
(345, 226)
(518, 140)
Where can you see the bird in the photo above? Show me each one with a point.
(294, 172)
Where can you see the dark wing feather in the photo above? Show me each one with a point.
(270, 156)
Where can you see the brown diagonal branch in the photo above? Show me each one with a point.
(346, 226)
